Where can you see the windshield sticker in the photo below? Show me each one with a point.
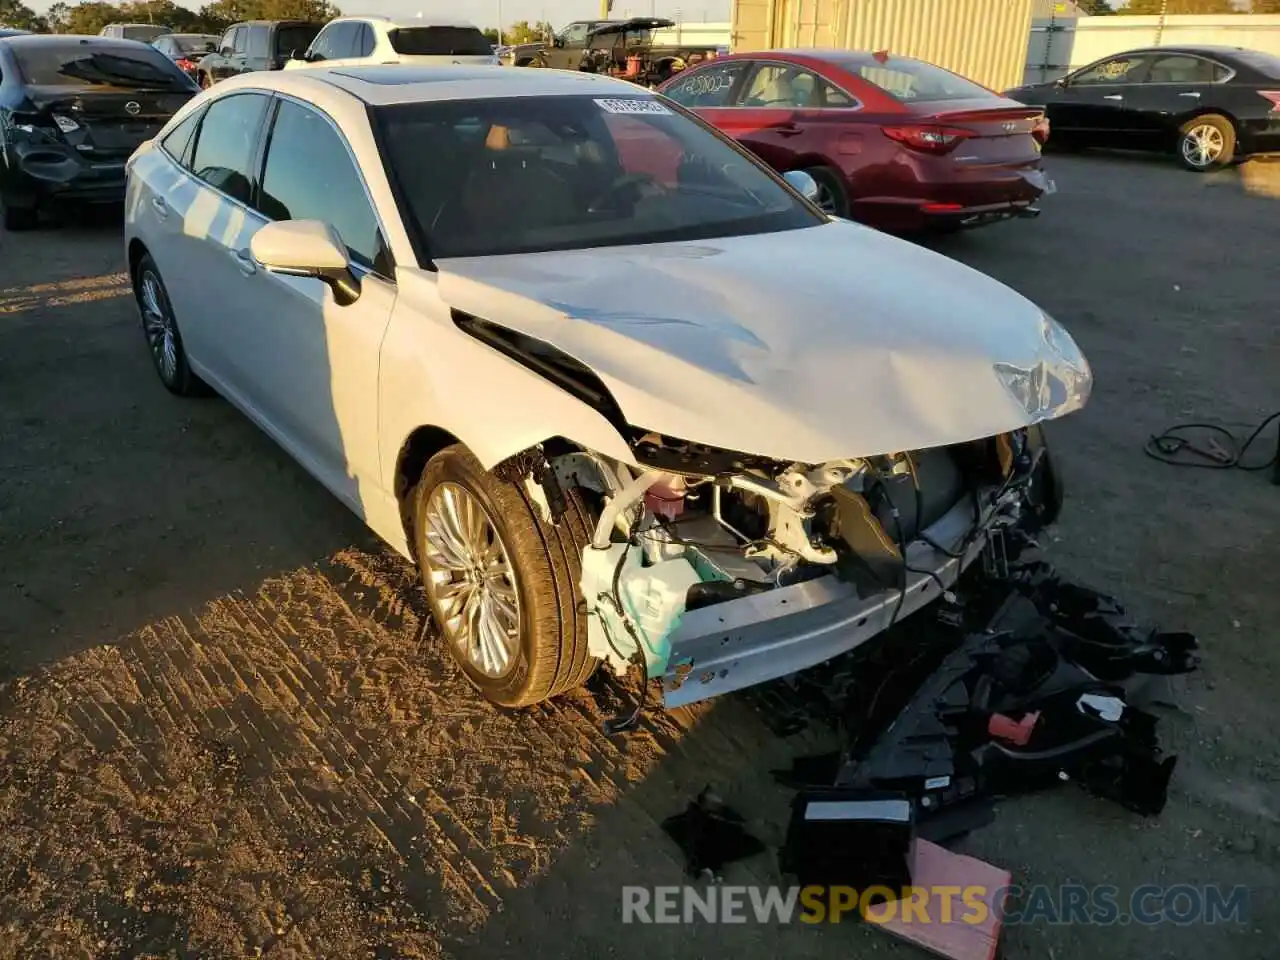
(616, 105)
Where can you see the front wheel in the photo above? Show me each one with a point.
(1206, 143)
(502, 582)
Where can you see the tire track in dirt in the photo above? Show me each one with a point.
(296, 766)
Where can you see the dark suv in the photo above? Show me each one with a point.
(256, 45)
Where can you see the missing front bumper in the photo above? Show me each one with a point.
(764, 636)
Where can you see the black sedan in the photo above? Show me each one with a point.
(72, 110)
(1208, 105)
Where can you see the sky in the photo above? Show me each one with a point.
(485, 13)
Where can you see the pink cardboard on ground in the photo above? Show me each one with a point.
(933, 866)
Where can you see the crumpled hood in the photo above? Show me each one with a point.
(807, 345)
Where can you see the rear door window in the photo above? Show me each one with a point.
(258, 40)
(440, 42)
(295, 38)
(228, 143)
(708, 87)
(364, 45)
(1184, 69)
(785, 86)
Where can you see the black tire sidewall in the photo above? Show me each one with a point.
(503, 505)
(184, 381)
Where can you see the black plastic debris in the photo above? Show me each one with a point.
(1031, 698)
(711, 835)
(851, 838)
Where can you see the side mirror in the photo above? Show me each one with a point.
(307, 248)
(211, 47)
(802, 183)
(1060, 82)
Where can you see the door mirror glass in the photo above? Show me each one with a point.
(307, 248)
(802, 183)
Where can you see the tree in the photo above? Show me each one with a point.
(91, 17)
(1151, 8)
(524, 32)
(222, 13)
(491, 34)
(15, 14)
(1097, 8)
(56, 17)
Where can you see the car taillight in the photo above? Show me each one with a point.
(1041, 130)
(185, 64)
(1274, 97)
(928, 138)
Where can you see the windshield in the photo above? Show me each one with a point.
(78, 65)
(440, 41)
(913, 80)
(527, 174)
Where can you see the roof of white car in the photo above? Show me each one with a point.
(406, 23)
(400, 83)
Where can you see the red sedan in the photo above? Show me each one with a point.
(894, 142)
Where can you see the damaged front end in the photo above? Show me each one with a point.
(716, 571)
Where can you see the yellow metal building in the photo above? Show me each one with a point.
(985, 40)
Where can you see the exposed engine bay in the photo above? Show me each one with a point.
(716, 571)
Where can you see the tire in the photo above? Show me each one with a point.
(548, 654)
(160, 327)
(833, 197)
(17, 219)
(1207, 142)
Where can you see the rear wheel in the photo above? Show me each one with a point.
(832, 196)
(1207, 142)
(161, 329)
(502, 583)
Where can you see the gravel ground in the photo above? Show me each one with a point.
(223, 732)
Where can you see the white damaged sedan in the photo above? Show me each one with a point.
(621, 393)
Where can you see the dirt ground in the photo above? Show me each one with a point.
(224, 734)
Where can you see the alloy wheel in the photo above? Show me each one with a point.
(1202, 145)
(471, 580)
(159, 326)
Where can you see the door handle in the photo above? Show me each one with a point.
(244, 259)
(787, 129)
(160, 207)
(1113, 96)
(1190, 93)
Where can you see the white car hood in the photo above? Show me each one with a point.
(805, 345)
